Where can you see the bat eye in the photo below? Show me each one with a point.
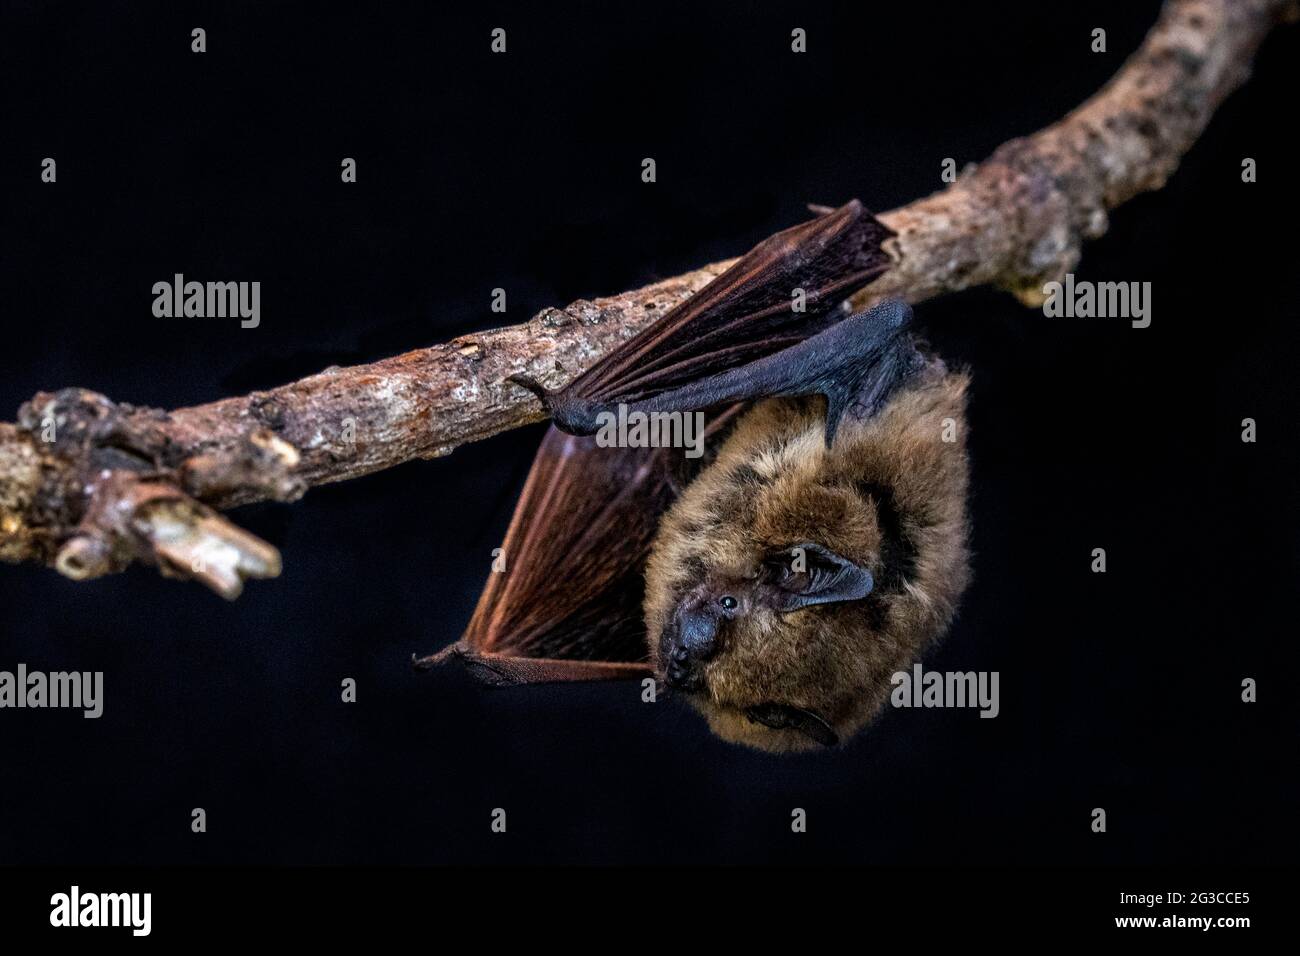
(728, 602)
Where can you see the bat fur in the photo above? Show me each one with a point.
(888, 495)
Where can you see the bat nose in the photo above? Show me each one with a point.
(691, 639)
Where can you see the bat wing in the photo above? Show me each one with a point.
(567, 604)
(507, 670)
(740, 337)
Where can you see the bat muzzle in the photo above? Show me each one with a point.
(690, 639)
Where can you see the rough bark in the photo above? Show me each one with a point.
(88, 486)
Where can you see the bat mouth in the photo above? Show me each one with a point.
(689, 683)
(673, 677)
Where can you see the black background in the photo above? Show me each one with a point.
(522, 171)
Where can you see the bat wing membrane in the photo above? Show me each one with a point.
(567, 604)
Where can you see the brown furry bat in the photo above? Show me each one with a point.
(816, 552)
(879, 518)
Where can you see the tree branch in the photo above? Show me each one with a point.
(88, 486)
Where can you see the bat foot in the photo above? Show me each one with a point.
(786, 717)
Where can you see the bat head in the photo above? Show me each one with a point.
(724, 626)
(790, 581)
(722, 631)
(771, 641)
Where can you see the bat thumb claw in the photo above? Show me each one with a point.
(574, 416)
(533, 386)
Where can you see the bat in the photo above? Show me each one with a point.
(779, 581)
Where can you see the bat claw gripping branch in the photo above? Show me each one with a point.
(537, 388)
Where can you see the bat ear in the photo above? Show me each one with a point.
(811, 574)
